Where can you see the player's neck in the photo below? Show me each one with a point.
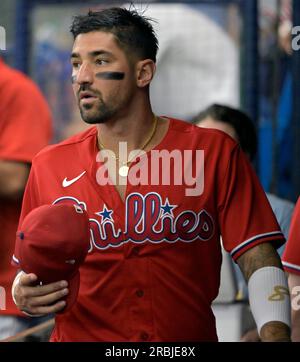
(133, 128)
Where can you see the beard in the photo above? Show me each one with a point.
(101, 111)
(98, 112)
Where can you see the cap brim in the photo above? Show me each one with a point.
(73, 287)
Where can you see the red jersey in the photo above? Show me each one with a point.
(291, 255)
(25, 125)
(153, 268)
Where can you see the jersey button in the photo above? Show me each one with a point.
(144, 336)
(139, 293)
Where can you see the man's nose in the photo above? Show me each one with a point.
(84, 74)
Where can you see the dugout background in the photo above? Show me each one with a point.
(233, 52)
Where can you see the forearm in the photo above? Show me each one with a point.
(13, 178)
(296, 326)
(258, 259)
(260, 256)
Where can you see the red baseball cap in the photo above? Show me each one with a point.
(52, 243)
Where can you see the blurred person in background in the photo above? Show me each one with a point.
(275, 97)
(25, 128)
(189, 71)
(242, 129)
(291, 264)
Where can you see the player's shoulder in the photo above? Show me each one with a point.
(15, 81)
(67, 148)
(202, 135)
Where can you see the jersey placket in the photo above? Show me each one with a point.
(139, 288)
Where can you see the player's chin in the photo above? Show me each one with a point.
(92, 118)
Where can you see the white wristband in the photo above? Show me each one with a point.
(15, 283)
(269, 296)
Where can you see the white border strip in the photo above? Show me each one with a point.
(290, 265)
(259, 236)
(15, 259)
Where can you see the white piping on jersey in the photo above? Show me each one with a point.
(259, 236)
(15, 259)
(290, 265)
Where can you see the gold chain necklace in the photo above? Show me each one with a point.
(124, 169)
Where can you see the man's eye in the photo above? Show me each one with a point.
(101, 62)
(75, 65)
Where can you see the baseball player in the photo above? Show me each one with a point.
(291, 264)
(22, 108)
(153, 267)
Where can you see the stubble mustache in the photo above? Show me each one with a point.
(86, 88)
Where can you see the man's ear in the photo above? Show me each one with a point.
(145, 70)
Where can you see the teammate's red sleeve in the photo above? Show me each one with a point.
(30, 202)
(291, 255)
(25, 120)
(245, 215)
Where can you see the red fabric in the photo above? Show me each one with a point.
(25, 128)
(153, 272)
(291, 255)
(52, 243)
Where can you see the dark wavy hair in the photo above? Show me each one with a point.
(240, 121)
(133, 32)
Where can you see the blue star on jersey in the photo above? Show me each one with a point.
(105, 213)
(168, 208)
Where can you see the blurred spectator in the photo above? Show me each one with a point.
(275, 131)
(25, 124)
(240, 127)
(189, 70)
(291, 264)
